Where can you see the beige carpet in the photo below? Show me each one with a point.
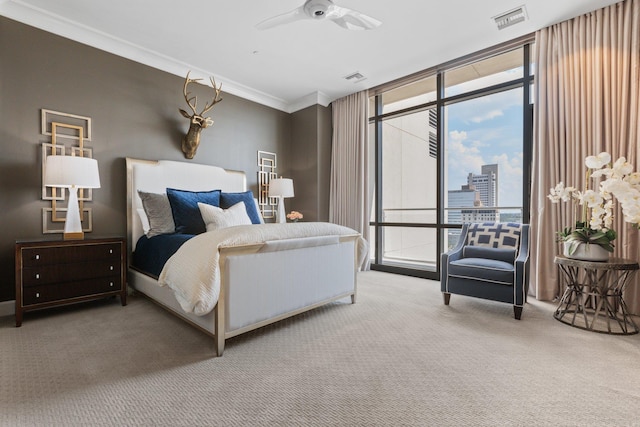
(397, 357)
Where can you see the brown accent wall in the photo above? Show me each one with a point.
(311, 162)
(134, 109)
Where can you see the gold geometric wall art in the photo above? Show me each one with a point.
(67, 138)
(267, 165)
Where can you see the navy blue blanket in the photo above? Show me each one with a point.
(152, 253)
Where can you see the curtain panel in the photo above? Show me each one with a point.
(587, 101)
(349, 199)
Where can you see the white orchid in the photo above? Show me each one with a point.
(632, 178)
(617, 182)
(592, 199)
(562, 193)
(622, 183)
(596, 162)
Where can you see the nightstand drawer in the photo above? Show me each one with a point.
(69, 272)
(50, 273)
(64, 291)
(37, 256)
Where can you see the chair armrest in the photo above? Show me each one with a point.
(522, 268)
(456, 253)
(523, 250)
(453, 255)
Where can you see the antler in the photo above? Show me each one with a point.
(187, 80)
(215, 99)
(193, 106)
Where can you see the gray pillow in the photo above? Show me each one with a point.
(158, 211)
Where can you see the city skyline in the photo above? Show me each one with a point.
(487, 130)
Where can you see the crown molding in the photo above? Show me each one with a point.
(313, 98)
(56, 24)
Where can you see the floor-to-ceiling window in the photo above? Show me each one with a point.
(451, 146)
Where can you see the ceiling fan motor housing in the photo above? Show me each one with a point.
(317, 9)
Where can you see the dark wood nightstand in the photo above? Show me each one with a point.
(54, 273)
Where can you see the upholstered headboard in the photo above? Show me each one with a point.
(154, 176)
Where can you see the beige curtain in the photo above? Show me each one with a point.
(587, 101)
(349, 200)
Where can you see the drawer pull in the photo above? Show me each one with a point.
(37, 256)
(111, 267)
(37, 294)
(37, 275)
(111, 284)
(110, 251)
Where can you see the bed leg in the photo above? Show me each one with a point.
(353, 298)
(219, 329)
(219, 345)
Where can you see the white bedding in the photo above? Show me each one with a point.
(193, 272)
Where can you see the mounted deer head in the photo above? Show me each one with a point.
(191, 140)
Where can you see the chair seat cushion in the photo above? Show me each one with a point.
(488, 270)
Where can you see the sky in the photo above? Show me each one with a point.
(480, 131)
(483, 131)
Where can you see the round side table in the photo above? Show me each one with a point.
(593, 299)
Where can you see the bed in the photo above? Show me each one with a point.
(258, 281)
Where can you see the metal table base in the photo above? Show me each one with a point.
(593, 296)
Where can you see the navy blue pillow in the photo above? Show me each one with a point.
(229, 199)
(184, 206)
(498, 254)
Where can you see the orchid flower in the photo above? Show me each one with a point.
(596, 162)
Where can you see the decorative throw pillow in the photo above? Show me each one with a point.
(257, 206)
(144, 221)
(184, 205)
(498, 254)
(158, 212)
(216, 218)
(229, 199)
(495, 234)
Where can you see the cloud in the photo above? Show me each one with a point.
(463, 157)
(487, 107)
(487, 116)
(509, 178)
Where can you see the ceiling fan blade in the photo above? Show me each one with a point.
(285, 18)
(351, 19)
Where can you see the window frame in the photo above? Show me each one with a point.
(377, 117)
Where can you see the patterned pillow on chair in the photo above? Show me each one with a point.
(494, 234)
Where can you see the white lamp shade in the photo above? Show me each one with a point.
(281, 187)
(71, 171)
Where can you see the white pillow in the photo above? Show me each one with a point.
(144, 220)
(216, 218)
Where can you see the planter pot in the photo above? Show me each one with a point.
(587, 252)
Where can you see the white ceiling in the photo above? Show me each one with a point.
(293, 66)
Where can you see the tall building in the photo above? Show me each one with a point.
(486, 183)
(466, 197)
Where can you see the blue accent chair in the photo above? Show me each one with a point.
(490, 261)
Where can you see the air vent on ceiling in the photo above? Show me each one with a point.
(355, 77)
(511, 17)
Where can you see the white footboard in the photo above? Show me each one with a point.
(262, 284)
(259, 284)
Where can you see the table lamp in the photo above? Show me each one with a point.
(72, 172)
(281, 188)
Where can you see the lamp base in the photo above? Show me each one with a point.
(76, 235)
(281, 217)
(73, 223)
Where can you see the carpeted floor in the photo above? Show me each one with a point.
(398, 357)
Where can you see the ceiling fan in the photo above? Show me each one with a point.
(323, 10)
